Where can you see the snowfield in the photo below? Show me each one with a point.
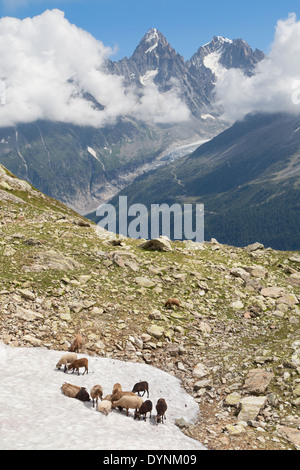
(35, 415)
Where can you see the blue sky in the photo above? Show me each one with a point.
(187, 24)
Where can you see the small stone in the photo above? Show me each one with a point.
(237, 305)
(233, 399)
(26, 294)
(235, 430)
(200, 371)
(156, 331)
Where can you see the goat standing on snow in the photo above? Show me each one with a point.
(141, 387)
(161, 408)
(65, 360)
(96, 392)
(75, 365)
(143, 410)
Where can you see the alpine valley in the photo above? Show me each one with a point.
(86, 166)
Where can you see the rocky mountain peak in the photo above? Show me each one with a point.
(153, 48)
(229, 53)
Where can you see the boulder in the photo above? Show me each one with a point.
(257, 381)
(251, 407)
(241, 273)
(157, 244)
(291, 434)
(273, 292)
(145, 282)
(233, 399)
(156, 331)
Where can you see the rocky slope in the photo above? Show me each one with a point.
(234, 342)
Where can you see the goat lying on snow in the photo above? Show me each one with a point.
(65, 360)
(104, 406)
(73, 391)
(75, 365)
(83, 395)
(141, 387)
(161, 408)
(70, 390)
(143, 410)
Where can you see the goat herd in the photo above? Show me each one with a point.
(117, 399)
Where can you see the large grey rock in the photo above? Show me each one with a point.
(156, 331)
(273, 292)
(291, 434)
(251, 407)
(145, 282)
(241, 273)
(257, 381)
(157, 244)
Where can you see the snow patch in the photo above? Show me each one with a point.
(152, 35)
(36, 415)
(148, 78)
(92, 152)
(151, 48)
(211, 61)
(207, 116)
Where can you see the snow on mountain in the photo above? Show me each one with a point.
(229, 53)
(35, 415)
(152, 35)
(148, 78)
(212, 62)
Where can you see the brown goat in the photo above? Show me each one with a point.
(70, 390)
(116, 396)
(161, 408)
(75, 365)
(143, 410)
(141, 387)
(171, 302)
(116, 388)
(96, 393)
(77, 344)
(128, 402)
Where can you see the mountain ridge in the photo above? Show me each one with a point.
(247, 177)
(85, 166)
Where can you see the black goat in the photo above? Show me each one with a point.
(141, 387)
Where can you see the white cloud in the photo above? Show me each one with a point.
(48, 64)
(275, 85)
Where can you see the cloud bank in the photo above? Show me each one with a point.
(48, 65)
(275, 84)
